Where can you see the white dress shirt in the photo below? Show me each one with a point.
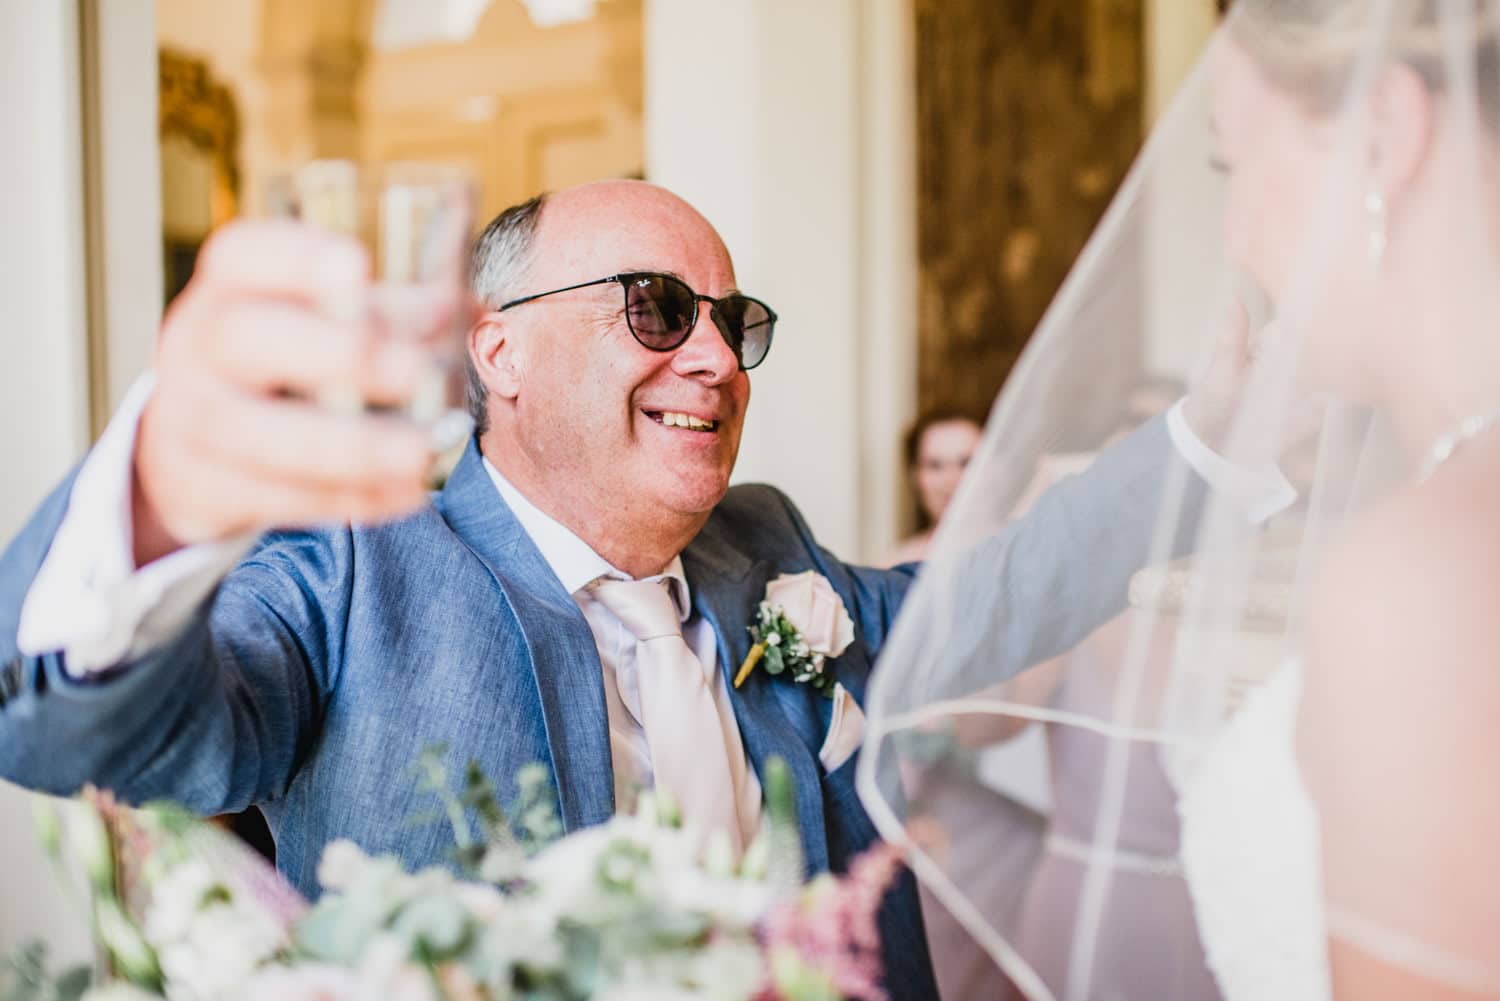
(578, 567)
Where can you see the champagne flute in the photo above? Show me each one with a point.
(414, 219)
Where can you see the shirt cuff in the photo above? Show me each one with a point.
(89, 600)
(1259, 492)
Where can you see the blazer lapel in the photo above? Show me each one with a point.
(773, 719)
(560, 647)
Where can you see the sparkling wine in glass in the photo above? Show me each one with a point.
(414, 219)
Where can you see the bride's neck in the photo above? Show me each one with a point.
(1443, 361)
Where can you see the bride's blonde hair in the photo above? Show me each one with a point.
(1312, 47)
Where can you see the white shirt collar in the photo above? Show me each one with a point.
(573, 561)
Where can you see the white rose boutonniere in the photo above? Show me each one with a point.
(799, 625)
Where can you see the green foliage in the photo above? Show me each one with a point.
(496, 851)
(783, 650)
(133, 959)
(24, 977)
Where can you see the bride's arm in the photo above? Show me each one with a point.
(1032, 687)
(1398, 740)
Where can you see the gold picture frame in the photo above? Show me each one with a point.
(198, 131)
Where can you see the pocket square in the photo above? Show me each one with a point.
(846, 731)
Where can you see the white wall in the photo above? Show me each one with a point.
(127, 172)
(795, 140)
(43, 381)
(1182, 194)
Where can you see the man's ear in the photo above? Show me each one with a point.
(496, 355)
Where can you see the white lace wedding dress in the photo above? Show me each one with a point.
(1251, 856)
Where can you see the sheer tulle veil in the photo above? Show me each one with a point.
(1329, 177)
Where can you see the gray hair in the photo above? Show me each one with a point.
(497, 269)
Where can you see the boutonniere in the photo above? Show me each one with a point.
(800, 624)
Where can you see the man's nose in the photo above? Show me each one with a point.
(706, 354)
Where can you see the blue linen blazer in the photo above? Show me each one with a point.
(328, 659)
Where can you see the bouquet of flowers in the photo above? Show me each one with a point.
(638, 908)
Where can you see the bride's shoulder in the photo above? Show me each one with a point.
(1414, 575)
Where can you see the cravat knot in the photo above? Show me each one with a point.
(689, 752)
(644, 606)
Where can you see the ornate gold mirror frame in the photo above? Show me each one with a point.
(198, 129)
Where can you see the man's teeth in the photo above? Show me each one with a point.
(673, 420)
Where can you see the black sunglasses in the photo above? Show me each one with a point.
(662, 310)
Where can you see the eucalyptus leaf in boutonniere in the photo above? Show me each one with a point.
(799, 625)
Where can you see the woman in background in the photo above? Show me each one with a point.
(938, 448)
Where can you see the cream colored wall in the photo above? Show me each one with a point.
(43, 383)
(227, 34)
(1176, 31)
(797, 145)
(527, 109)
(126, 213)
(1184, 279)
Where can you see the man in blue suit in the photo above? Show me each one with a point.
(157, 637)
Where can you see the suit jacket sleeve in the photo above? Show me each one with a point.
(216, 719)
(1047, 580)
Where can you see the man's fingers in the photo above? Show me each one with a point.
(1237, 342)
(276, 345)
(433, 314)
(244, 503)
(303, 443)
(282, 259)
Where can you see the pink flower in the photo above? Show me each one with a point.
(811, 604)
(831, 928)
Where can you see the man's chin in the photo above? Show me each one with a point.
(694, 495)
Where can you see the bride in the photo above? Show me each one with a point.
(1327, 712)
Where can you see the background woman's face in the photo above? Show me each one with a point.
(942, 455)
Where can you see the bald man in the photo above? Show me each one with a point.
(577, 594)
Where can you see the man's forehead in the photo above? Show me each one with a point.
(626, 226)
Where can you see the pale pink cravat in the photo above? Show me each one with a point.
(678, 714)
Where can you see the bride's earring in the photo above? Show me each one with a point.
(1375, 206)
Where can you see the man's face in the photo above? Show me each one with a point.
(598, 414)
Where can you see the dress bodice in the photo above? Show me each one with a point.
(1250, 849)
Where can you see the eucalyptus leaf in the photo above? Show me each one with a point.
(133, 958)
(74, 983)
(774, 661)
(436, 923)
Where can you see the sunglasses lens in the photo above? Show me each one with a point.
(747, 324)
(659, 310)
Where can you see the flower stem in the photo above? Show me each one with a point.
(751, 659)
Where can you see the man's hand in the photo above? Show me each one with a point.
(1215, 397)
(1218, 400)
(231, 440)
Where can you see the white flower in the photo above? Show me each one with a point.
(484, 903)
(176, 898)
(519, 937)
(118, 990)
(341, 865)
(655, 992)
(736, 969)
(309, 982)
(773, 640)
(814, 609)
(386, 971)
(208, 939)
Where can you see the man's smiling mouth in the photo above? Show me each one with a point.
(688, 422)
